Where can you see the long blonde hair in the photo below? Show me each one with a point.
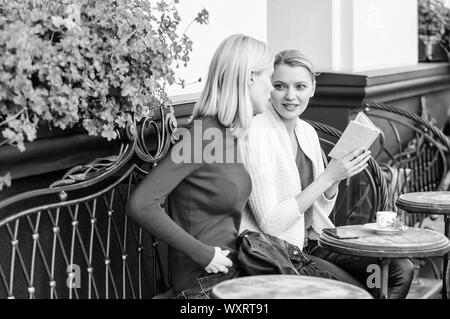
(226, 92)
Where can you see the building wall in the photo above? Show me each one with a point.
(304, 25)
(346, 35)
(386, 34)
(225, 18)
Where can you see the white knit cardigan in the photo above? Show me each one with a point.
(268, 157)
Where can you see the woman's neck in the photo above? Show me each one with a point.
(289, 124)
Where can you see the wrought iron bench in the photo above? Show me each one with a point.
(74, 240)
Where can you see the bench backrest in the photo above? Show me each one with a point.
(74, 239)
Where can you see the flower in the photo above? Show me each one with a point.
(5, 181)
(98, 64)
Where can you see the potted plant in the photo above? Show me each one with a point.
(96, 64)
(434, 20)
(445, 38)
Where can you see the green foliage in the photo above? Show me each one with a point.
(101, 64)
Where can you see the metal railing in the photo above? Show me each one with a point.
(74, 239)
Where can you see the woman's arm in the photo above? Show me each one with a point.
(275, 216)
(144, 206)
(328, 181)
(272, 215)
(331, 192)
(321, 186)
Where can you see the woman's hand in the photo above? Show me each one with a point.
(220, 261)
(347, 166)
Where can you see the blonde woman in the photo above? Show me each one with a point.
(293, 192)
(207, 191)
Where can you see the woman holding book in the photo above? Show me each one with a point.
(207, 198)
(292, 192)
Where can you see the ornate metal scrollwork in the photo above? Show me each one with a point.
(135, 136)
(164, 134)
(420, 123)
(96, 168)
(83, 221)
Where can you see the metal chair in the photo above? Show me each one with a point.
(418, 163)
(426, 162)
(413, 153)
(363, 195)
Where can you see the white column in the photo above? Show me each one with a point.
(346, 35)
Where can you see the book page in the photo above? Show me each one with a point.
(363, 119)
(355, 136)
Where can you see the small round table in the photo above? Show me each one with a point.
(410, 243)
(433, 203)
(286, 287)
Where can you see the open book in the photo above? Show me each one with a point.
(360, 132)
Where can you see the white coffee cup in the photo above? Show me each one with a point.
(386, 218)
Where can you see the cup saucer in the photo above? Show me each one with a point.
(384, 230)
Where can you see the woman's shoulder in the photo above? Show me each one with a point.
(262, 120)
(306, 128)
(201, 129)
(203, 140)
(203, 123)
(305, 125)
(260, 130)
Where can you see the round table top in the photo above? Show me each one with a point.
(425, 202)
(410, 243)
(286, 287)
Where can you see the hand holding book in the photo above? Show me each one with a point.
(359, 133)
(345, 167)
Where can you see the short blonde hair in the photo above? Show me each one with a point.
(226, 92)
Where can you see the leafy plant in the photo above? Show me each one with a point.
(434, 21)
(101, 64)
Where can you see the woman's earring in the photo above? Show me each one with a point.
(251, 77)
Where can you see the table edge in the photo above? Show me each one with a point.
(364, 252)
